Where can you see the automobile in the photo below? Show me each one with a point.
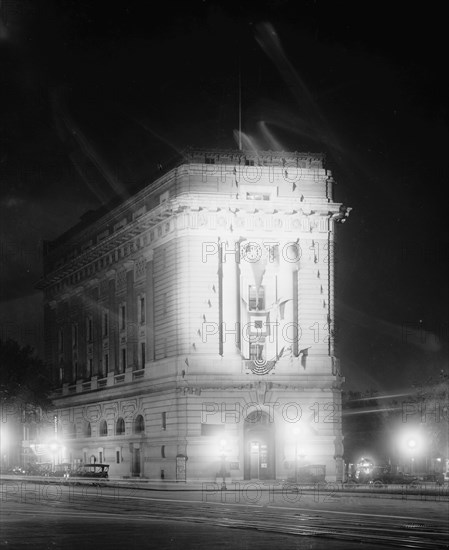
(92, 471)
(379, 479)
(62, 470)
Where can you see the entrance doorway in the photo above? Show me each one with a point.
(135, 461)
(259, 460)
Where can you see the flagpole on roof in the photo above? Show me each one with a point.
(240, 107)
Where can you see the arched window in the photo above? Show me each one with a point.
(139, 425)
(103, 428)
(120, 427)
(89, 430)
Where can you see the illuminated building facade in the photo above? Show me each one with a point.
(192, 326)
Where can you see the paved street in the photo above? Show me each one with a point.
(70, 516)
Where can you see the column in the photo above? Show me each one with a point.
(229, 295)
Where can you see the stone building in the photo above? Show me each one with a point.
(191, 327)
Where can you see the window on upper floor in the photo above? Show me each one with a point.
(257, 350)
(142, 355)
(142, 309)
(256, 298)
(122, 317)
(105, 323)
(74, 335)
(120, 427)
(61, 340)
(258, 196)
(89, 329)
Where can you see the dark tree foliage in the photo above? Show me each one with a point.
(431, 397)
(363, 425)
(24, 378)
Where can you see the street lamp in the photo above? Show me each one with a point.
(223, 443)
(411, 444)
(298, 432)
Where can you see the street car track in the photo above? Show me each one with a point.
(380, 529)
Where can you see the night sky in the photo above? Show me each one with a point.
(94, 95)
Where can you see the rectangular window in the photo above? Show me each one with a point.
(258, 196)
(74, 335)
(106, 364)
(122, 317)
(142, 310)
(256, 298)
(89, 367)
(105, 324)
(142, 354)
(117, 457)
(100, 457)
(164, 420)
(256, 351)
(123, 359)
(89, 329)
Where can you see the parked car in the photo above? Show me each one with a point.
(62, 470)
(379, 479)
(92, 471)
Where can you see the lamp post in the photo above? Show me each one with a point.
(298, 432)
(411, 444)
(223, 463)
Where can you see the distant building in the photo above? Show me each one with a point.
(191, 328)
